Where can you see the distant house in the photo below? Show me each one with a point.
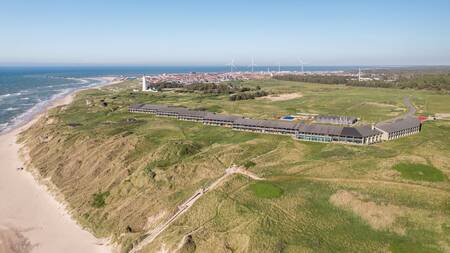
(339, 120)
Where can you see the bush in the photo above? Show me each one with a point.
(149, 171)
(99, 199)
(249, 164)
(248, 95)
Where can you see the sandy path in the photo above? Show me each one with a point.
(153, 233)
(282, 97)
(29, 215)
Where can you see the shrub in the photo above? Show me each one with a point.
(99, 199)
(149, 171)
(249, 164)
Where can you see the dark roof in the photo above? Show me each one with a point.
(153, 107)
(193, 113)
(172, 109)
(266, 123)
(367, 131)
(350, 131)
(136, 106)
(320, 129)
(398, 124)
(222, 117)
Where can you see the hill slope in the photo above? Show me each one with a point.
(124, 173)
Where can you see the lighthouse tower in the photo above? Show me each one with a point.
(144, 84)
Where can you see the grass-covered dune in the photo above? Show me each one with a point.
(123, 173)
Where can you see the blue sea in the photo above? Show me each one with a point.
(26, 91)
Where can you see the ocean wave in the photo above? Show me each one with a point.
(41, 105)
(10, 95)
(3, 126)
(12, 109)
(5, 95)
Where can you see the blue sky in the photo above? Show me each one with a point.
(347, 32)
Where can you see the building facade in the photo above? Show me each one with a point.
(339, 120)
(361, 135)
(400, 127)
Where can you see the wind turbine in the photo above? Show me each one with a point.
(300, 64)
(231, 64)
(253, 63)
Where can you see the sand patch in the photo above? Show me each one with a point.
(378, 216)
(282, 97)
(13, 241)
(153, 220)
(442, 116)
(381, 104)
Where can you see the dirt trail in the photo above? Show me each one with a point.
(153, 233)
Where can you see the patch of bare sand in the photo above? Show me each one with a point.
(444, 116)
(378, 216)
(381, 104)
(13, 241)
(154, 220)
(282, 97)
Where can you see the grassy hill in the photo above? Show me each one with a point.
(123, 173)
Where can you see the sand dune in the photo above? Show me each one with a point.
(31, 219)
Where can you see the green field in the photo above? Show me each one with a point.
(265, 190)
(123, 173)
(421, 172)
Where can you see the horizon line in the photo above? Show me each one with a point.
(217, 65)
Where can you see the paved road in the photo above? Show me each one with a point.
(411, 110)
(152, 234)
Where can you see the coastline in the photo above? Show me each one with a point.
(32, 219)
(39, 108)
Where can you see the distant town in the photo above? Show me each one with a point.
(152, 82)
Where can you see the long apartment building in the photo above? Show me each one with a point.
(362, 135)
(399, 127)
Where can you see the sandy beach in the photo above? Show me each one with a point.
(31, 219)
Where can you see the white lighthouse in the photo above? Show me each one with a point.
(144, 84)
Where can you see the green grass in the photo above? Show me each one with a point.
(152, 164)
(99, 199)
(249, 164)
(419, 172)
(410, 247)
(266, 190)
